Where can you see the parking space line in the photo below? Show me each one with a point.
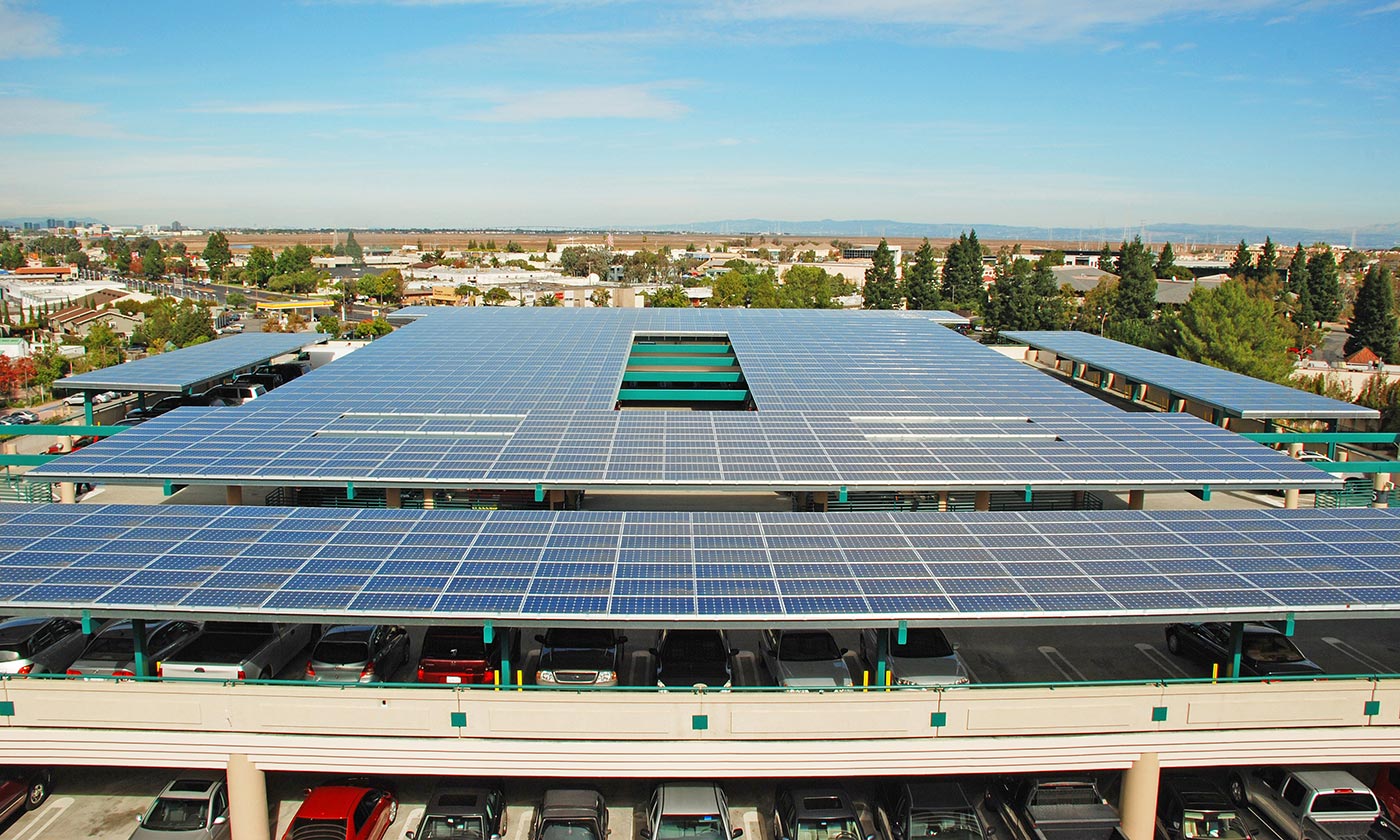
(1063, 665)
(45, 818)
(1161, 660)
(1351, 652)
(414, 817)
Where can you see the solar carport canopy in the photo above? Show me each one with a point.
(517, 398)
(1233, 393)
(180, 371)
(739, 569)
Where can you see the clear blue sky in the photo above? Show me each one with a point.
(609, 112)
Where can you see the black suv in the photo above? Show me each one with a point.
(922, 810)
(692, 657)
(816, 813)
(460, 810)
(1265, 652)
(579, 656)
(1189, 805)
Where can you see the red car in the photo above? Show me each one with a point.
(1386, 787)
(78, 443)
(22, 789)
(344, 812)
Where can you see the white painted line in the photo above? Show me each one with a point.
(519, 819)
(753, 825)
(414, 817)
(1063, 665)
(1351, 652)
(47, 816)
(1156, 657)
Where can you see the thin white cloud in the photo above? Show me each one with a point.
(26, 115)
(27, 34)
(272, 108)
(1380, 10)
(626, 102)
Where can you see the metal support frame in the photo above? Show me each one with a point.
(1236, 647)
(882, 654)
(87, 407)
(503, 640)
(138, 638)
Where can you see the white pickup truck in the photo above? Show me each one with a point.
(237, 650)
(1308, 804)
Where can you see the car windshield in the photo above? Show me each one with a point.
(341, 653)
(568, 830)
(581, 637)
(177, 815)
(116, 646)
(945, 825)
(451, 828)
(922, 643)
(694, 647)
(1268, 647)
(707, 827)
(454, 644)
(1352, 802)
(840, 828)
(808, 647)
(1223, 826)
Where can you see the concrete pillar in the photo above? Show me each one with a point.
(65, 443)
(983, 500)
(943, 500)
(247, 800)
(393, 497)
(1380, 490)
(555, 499)
(1136, 498)
(67, 493)
(1290, 497)
(1140, 797)
(9, 447)
(233, 494)
(819, 500)
(428, 498)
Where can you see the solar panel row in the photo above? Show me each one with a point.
(179, 370)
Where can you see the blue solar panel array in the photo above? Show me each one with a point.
(648, 567)
(179, 370)
(1237, 394)
(511, 398)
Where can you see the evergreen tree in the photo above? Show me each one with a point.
(881, 286)
(1137, 284)
(260, 267)
(1226, 328)
(921, 280)
(352, 248)
(1010, 304)
(1106, 262)
(1244, 263)
(1298, 270)
(1324, 286)
(1051, 307)
(1268, 259)
(1373, 322)
(962, 273)
(217, 255)
(1166, 261)
(153, 262)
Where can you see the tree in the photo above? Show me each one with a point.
(1324, 285)
(11, 256)
(330, 325)
(809, 287)
(547, 299)
(1166, 261)
(1137, 284)
(1268, 260)
(217, 255)
(671, 296)
(1227, 328)
(600, 297)
(1009, 303)
(260, 268)
(1098, 304)
(962, 273)
(49, 367)
(298, 282)
(1106, 262)
(496, 296)
(1373, 322)
(153, 262)
(192, 325)
(881, 289)
(1051, 301)
(1243, 264)
(1298, 271)
(374, 327)
(731, 289)
(921, 280)
(102, 345)
(236, 300)
(353, 249)
(293, 259)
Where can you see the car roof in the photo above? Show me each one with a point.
(330, 802)
(349, 632)
(573, 801)
(690, 798)
(800, 794)
(926, 795)
(182, 787)
(1325, 779)
(477, 793)
(1198, 792)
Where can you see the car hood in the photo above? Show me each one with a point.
(576, 659)
(690, 673)
(941, 670)
(824, 672)
(1283, 669)
(146, 834)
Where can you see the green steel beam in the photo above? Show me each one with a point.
(87, 407)
(681, 395)
(681, 361)
(1356, 466)
(1323, 437)
(61, 431)
(681, 376)
(682, 348)
(26, 460)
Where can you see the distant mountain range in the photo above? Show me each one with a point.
(1372, 236)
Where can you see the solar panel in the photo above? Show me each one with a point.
(179, 370)
(1072, 566)
(474, 398)
(1235, 393)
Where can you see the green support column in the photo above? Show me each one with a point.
(87, 407)
(882, 654)
(504, 641)
(138, 637)
(1236, 645)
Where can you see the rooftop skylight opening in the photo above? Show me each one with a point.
(684, 373)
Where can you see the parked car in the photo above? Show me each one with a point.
(156, 409)
(192, 807)
(1060, 807)
(78, 443)
(22, 418)
(239, 650)
(267, 379)
(925, 658)
(689, 811)
(1386, 787)
(105, 397)
(805, 659)
(239, 393)
(40, 645)
(288, 370)
(1265, 652)
(457, 654)
(358, 653)
(693, 657)
(344, 812)
(579, 656)
(23, 789)
(1190, 805)
(570, 814)
(460, 811)
(1320, 804)
(112, 652)
(921, 810)
(816, 813)
(208, 400)
(74, 399)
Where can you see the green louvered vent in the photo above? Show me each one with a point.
(692, 372)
